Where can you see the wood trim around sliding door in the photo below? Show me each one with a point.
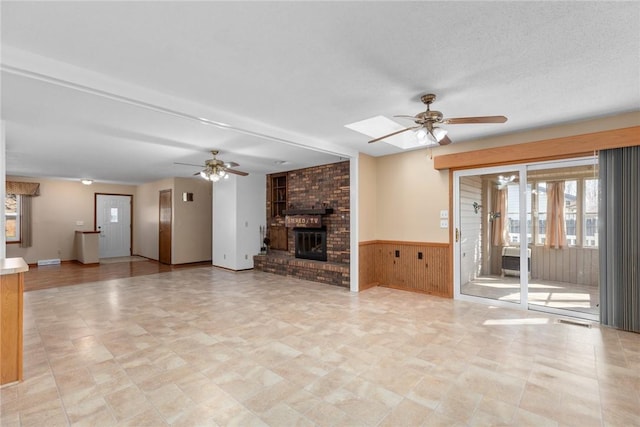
(548, 149)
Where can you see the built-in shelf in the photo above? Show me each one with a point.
(323, 211)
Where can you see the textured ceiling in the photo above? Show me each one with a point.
(119, 91)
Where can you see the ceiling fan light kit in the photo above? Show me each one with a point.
(214, 175)
(426, 130)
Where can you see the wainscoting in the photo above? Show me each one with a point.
(418, 267)
(572, 265)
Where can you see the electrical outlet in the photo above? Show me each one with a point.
(79, 222)
(444, 223)
(444, 214)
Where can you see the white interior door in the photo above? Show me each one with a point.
(113, 220)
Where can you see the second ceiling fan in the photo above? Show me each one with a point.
(215, 170)
(426, 123)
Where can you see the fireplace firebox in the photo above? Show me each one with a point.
(311, 243)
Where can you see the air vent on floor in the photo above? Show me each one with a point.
(54, 261)
(574, 322)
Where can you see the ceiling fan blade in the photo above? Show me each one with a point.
(471, 120)
(394, 133)
(235, 172)
(188, 164)
(231, 164)
(445, 141)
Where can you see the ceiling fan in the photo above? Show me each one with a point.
(215, 170)
(426, 121)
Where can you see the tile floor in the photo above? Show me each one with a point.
(563, 295)
(210, 347)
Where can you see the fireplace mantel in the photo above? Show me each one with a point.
(323, 211)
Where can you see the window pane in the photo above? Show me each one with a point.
(570, 210)
(542, 212)
(591, 195)
(12, 219)
(11, 204)
(11, 229)
(114, 215)
(590, 213)
(513, 215)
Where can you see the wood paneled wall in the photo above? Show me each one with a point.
(572, 265)
(398, 265)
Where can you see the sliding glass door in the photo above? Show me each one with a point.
(526, 236)
(565, 238)
(488, 222)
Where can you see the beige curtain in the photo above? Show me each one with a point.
(500, 229)
(556, 236)
(25, 191)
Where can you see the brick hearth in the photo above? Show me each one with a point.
(282, 263)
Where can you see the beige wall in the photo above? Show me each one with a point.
(410, 195)
(192, 221)
(146, 217)
(56, 211)
(409, 192)
(62, 204)
(367, 198)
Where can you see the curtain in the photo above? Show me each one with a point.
(500, 229)
(619, 238)
(556, 235)
(25, 221)
(25, 191)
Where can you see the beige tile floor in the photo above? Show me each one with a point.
(210, 347)
(546, 293)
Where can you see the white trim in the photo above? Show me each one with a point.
(524, 283)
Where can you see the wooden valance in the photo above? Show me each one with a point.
(23, 188)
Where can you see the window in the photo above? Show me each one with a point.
(580, 211)
(540, 201)
(590, 215)
(571, 211)
(12, 217)
(513, 212)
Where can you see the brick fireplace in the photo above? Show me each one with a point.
(320, 254)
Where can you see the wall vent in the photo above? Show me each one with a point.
(53, 261)
(574, 322)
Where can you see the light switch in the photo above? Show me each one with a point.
(444, 223)
(79, 222)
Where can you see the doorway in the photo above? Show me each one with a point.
(526, 236)
(165, 225)
(113, 221)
